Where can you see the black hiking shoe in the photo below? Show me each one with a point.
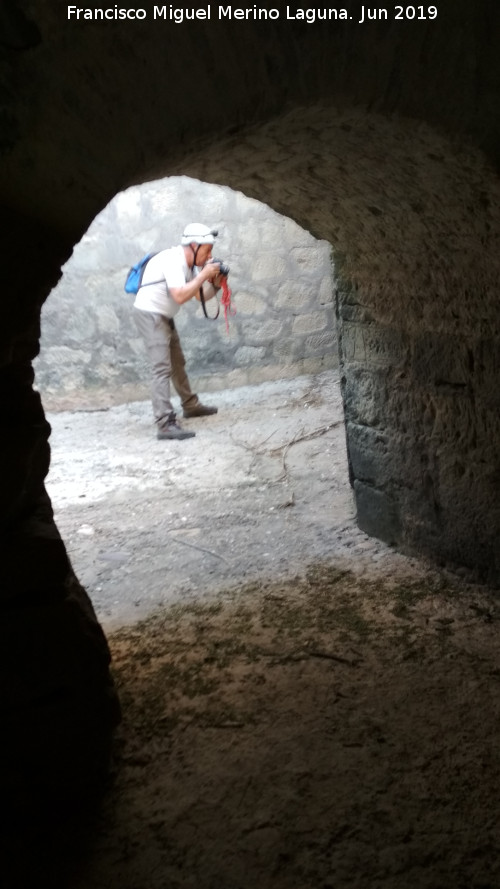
(173, 431)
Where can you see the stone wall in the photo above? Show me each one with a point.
(282, 292)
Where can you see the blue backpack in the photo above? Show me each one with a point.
(134, 277)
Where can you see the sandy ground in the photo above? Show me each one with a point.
(261, 491)
(303, 707)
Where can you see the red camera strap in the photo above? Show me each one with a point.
(226, 302)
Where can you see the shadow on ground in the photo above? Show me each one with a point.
(322, 732)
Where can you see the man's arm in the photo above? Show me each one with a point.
(183, 294)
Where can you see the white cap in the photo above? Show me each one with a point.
(196, 233)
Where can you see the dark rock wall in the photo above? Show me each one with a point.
(382, 138)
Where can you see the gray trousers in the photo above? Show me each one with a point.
(167, 364)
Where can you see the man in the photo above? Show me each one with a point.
(171, 278)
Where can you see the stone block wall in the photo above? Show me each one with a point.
(423, 459)
(282, 293)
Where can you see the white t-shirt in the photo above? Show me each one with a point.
(167, 269)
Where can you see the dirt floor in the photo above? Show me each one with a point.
(303, 707)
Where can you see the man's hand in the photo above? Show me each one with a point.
(210, 272)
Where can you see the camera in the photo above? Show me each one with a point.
(223, 268)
